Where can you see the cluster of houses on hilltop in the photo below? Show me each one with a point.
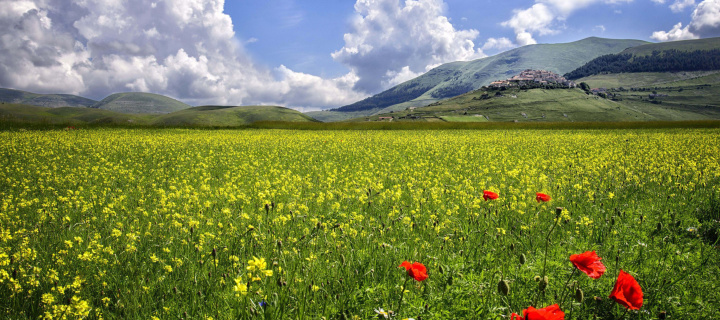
(533, 78)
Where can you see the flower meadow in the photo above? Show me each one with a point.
(285, 224)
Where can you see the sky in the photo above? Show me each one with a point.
(302, 54)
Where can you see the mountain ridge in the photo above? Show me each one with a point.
(459, 77)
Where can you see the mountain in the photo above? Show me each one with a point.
(688, 55)
(661, 96)
(140, 102)
(44, 100)
(229, 116)
(456, 78)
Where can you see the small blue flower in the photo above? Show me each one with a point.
(262, 304)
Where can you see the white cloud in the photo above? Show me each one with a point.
(391, 40)
(542, 17)
(185, 49)
(705, 22)
(659, 1)
(677, 33)
(525, 39)
(706, 19)
(498, 44)
(599, 28)
(680, 5)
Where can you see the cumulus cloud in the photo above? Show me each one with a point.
(677, 33)
(392, 40)
(705, 22)
(544, 16)
(498, 44)
(185, 49)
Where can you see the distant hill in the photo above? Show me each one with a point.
(456, 78)
(27, 114)
(688, 55)
(209, 116)
(44, 100)
(140, 102)
(662, 96)
(229, 116)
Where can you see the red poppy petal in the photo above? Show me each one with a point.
(405, 265)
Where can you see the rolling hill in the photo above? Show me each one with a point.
(44, 100)
(219, 116)
(662, 96)
(456, 78)
(140, 102)
(14, 115)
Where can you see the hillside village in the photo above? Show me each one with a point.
(534, 78)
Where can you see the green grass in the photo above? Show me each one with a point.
(142, 223)
(464, 119)
(650, 79)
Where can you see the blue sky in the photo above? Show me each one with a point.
(302, 34)
(307, 55)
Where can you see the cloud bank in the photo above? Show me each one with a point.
(185, 49)
(704, 22)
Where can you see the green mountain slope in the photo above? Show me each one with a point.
(559, 105)
(229, 116)
(688, 55)
(44, 100)
(457, 78)
(140, 102)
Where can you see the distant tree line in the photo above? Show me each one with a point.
(659, 61)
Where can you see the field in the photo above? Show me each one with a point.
(289, 224)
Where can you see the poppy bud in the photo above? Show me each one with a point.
(612, 221)
(512, 247)
(267, 208)
(450, 280)
(192, 230)
(440, 268)
(558, 211)
(579, 295)
(677, 224)
(14, 274)
(503, 287)
(175, 290)
(279, 244)
(662, 315)
(522, 258)
(537, 278)
(542, 285)
(659, 226)
(214, 253)
(199, 293)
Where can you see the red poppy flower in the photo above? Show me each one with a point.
(416, 270)
(588, 262)
(552, 312)
(489, 195)
(627, 291)
(541, 197)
